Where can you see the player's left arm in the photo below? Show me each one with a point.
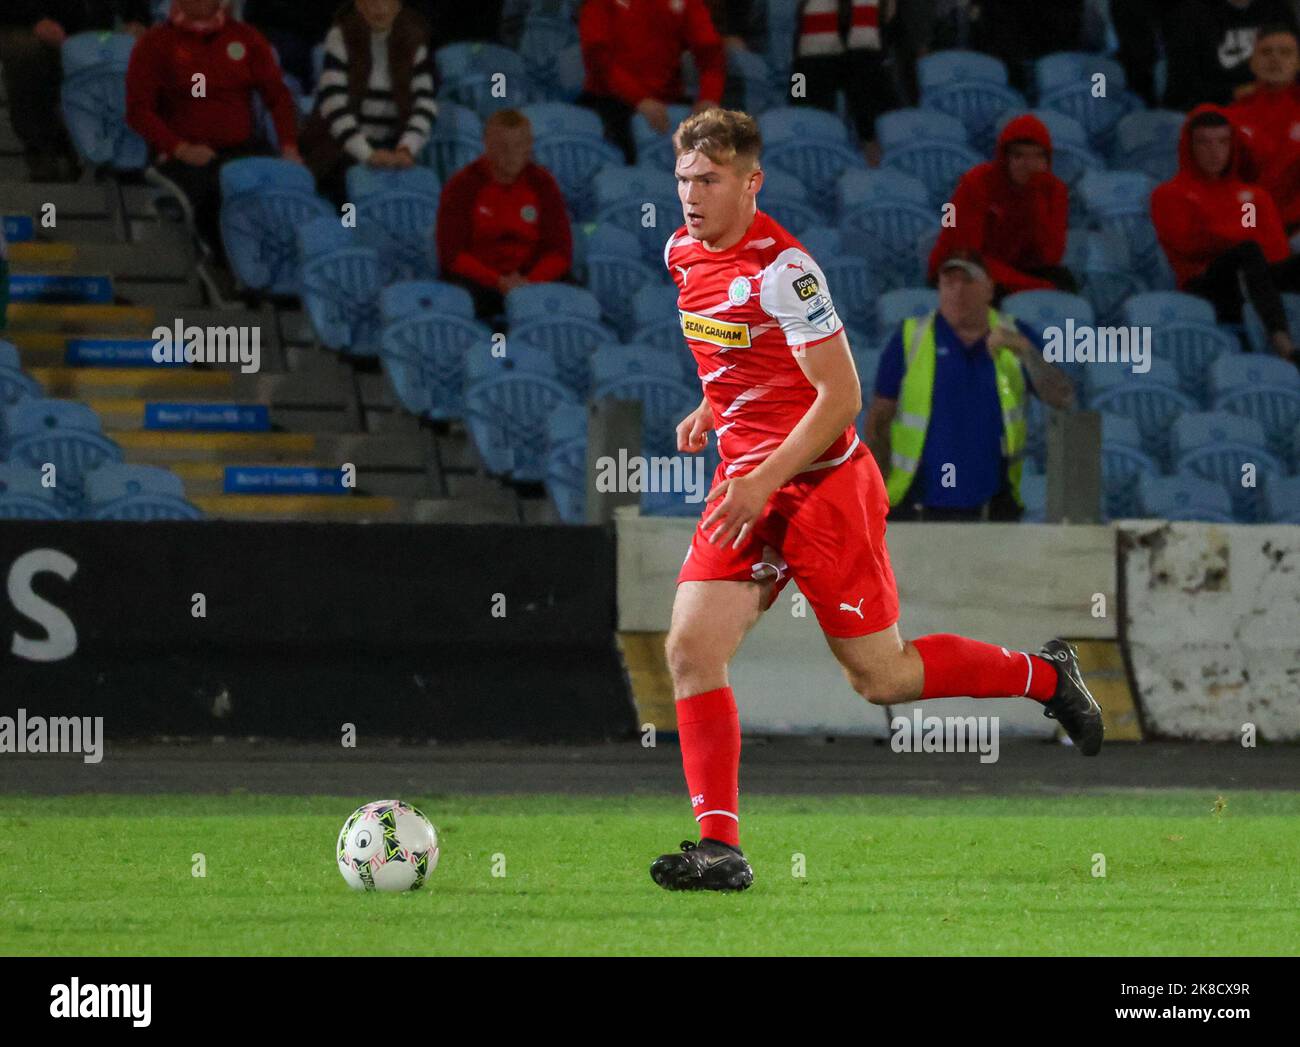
(828, 366)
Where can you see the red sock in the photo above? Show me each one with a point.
(957, 667)
(709, 728)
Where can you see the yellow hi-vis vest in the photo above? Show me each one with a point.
(907, 431)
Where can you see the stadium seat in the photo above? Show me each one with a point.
(421, 296)
(751, 77)
(518, 358)
(65, 433)
(1069, 81)
(664, 397)
(1147, 141)
(572, 154)
(539, 301)
(1033, 492)
(1219, 446)
(136, 492)
(883, 213)
(654, 149)
(786, 199)
(616, 268)
(93, 98)
(623, 195)
(424, 355)
(612, 362)
(24, 497)
(1265, 388)
(1183, 331)
(821, 240)
(507, 415)
(811, 144)
(902, 127)
(1123, 461)
(654, 302)
(455, 141)
(570, 73)
(482, 76)
(264, 204)
(1282, 500)
(931, 154)
(1100, 262)
(548, 28)
(15, 385)
(570, 340)
(1152, 399)
(566, 461)
(340, 287)
(971, 87)
(852, 288)
(397, 214)
(1120, 202)
(1184, 498)
(667, 334)
(893, 307)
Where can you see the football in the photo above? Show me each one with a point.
(387, 845)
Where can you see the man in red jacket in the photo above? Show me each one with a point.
(1219, 231)
(501, 219)
(1013, 211)
(189, 94)
(633, 53)
(1269, 116)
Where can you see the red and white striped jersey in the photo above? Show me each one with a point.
(820, 28)
(745, 312)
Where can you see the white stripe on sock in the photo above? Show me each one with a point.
(727, 813)
(1029, 662)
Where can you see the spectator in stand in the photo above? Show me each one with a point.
(1268, 114)
(1209, 50)
(1014, 211)
(456, 22)
(742, 24)
(1020, 31)
(293, 28)
(31, 37)
(501, 219)
(837, 44)
(1213, 240)
(1141, 27)
(192, 137)
(374, 103)
(632, 50)
(947, 422)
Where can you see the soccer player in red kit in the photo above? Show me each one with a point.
(797, 495)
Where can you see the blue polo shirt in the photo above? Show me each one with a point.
(965, 428)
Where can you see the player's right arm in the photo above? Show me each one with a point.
(692, 431)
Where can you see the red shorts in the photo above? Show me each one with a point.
(827, 529)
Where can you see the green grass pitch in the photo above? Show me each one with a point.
(1187, 873)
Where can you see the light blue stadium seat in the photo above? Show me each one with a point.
(520, 358)
(1184, 498)
(667, 334)
(610, 363)
(1033, 492)
(67, 434)
(24, 497)
(654, 303)
(1100, 262)
(664, 397)
(615, 269)
(1282, 500)
(1152, 399)
(928, 145)
(93, 100)
(852, 288)
(1265, 388)
(653, 149)
(507, 415)
(1123, 461)
(821, 241)
(1216, 445)
(570, 73)
(570, 340)
(423, 296)
(397, 214)
(547, 30)
(902, 127)
(1183, 331)
(1120, 202)
(811, 144)
(456, 140)
(971, 87)
(752, 77)
(136, 492)
(1066, 83)
(785, 198)
(15, 385)
(264, 204)
(882, 215)
(574, 159)
(1147, 141)
(893, 307)
(482, 76)
(538, 301)
(340, 287)
(622, 197)
(566, 461)
(424, 355)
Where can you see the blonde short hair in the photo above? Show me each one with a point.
(725, 136)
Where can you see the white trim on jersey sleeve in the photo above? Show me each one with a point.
(668, 247)
(794, 293)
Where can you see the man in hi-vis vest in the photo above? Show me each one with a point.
(947, 423)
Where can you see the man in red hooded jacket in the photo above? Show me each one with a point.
(1269, 116)
(1013, 211)
(1219, 230)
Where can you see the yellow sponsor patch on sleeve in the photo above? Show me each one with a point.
(715, 332)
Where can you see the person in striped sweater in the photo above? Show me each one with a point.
(375, 99)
